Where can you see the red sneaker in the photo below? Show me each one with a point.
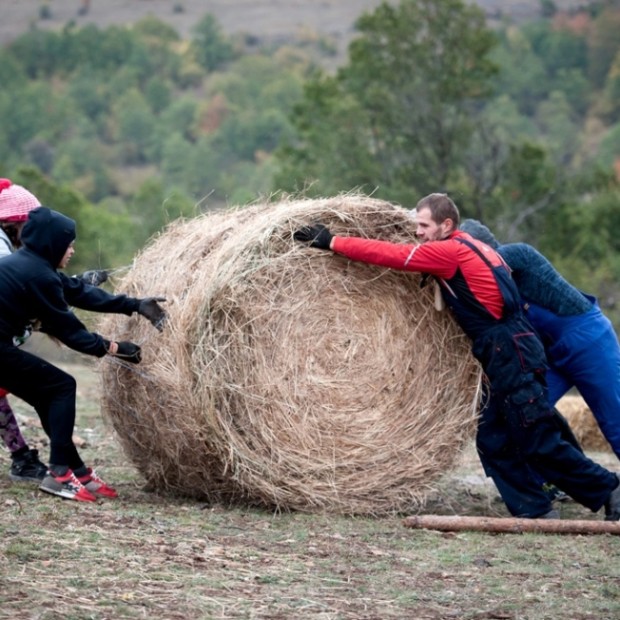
(66, 486)
(96, 486)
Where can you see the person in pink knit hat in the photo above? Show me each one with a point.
(15, 204)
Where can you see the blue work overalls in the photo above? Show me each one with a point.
(518, 429)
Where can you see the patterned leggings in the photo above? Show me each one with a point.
(9, 429)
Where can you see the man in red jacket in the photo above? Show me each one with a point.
(476, 285)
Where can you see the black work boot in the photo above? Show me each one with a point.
(27, 467)
(612, 505)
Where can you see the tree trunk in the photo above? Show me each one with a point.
(511, 525)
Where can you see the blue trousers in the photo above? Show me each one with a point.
(587, 356)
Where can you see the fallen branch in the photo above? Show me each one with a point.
(511, 525)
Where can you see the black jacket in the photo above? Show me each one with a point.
(31, 288)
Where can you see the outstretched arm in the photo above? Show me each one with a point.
(437, 258)
(86, 297)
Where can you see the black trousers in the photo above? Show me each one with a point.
(520, 433)
(51, 392)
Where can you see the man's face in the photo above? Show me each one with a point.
(428, 230)
(64, 261)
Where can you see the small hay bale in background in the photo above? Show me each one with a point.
(583, 423)
(289, 376)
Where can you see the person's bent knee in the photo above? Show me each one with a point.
(68, 384)
(63, 384)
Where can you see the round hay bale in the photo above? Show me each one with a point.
(583, 423)
(287, 376)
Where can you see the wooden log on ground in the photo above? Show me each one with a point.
(511, 525)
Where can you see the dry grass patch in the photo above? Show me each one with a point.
(152, 556)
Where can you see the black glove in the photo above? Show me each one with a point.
(129, 352)
(94, 277)
(317, 234)
(150, 309)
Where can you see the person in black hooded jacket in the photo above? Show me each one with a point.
(32, 289)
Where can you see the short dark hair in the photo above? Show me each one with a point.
(441, 207)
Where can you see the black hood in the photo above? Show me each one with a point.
(48, 234)
(479, 231)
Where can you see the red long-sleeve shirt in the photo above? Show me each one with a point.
(443, 259)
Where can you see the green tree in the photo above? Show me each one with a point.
(258, 80)
(558, 48)
(547, 8)
(79, 153)
(576, 242)
(180, 116)
(258, 95)
(244, 183)
(244, 134)
(610, 105)
(209, 46)
(155, 205)
(416, 73)
(608, 154)
(330, 152)
(108, 237)
(11, 69)
(37, 52)
(503, 113)
(574, 84)
(136, 123)
(525, 194)
(556, 122)
(603, 45)
(204, 168)
(88, 92)
(31, 111)
(41, 154)
(158, 93)
(154, 29)
(523, 76)
(176, 153)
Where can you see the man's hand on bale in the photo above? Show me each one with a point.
(317, 234)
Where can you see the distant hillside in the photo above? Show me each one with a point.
(265, 20)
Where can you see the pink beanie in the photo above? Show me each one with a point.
(15, 202)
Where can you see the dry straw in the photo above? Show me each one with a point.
(583, 423)
(287, 376)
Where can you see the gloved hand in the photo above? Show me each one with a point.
(317, 234)
(129, 352)
(150, 309)
(94, 277)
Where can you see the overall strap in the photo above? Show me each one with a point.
(503, 276)
(473, 247)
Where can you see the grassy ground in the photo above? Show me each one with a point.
(147, 556)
